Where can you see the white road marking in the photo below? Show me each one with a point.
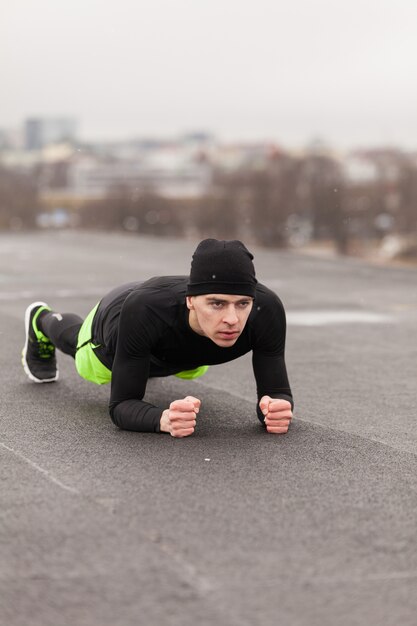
(324, 318)
(40, 469)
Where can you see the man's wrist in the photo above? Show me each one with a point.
(164, 422)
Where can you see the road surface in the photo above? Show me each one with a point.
(229, 527)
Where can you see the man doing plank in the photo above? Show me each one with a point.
(171, 325)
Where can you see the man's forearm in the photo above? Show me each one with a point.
(136, 415)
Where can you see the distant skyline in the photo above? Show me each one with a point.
(288, 72)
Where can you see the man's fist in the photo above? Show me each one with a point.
(180, 419)
(278, 414)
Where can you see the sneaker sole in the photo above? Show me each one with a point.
(25, 347)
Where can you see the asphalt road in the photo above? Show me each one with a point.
(231, 526)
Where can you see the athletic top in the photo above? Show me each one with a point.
(143, 331)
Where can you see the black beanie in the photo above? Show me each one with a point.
(222, 267)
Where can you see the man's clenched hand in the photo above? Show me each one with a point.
(278, 414)
(180, 419)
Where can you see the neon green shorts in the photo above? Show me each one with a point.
(87, 363)
(90, 367)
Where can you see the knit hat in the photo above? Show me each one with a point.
(222, 267)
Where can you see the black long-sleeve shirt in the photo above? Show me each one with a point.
(143, 331)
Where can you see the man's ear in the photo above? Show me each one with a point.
(189, 300)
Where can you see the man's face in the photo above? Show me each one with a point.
(220, 317)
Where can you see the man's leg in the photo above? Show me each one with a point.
(46, 330)
(62, 330)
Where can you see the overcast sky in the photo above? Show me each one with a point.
(289, 71)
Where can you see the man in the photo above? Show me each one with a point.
(171, 325)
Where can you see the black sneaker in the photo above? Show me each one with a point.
(38, 354)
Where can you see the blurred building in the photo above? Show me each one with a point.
(170, 171)
(40, 132)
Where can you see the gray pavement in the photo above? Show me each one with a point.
(230, 526)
